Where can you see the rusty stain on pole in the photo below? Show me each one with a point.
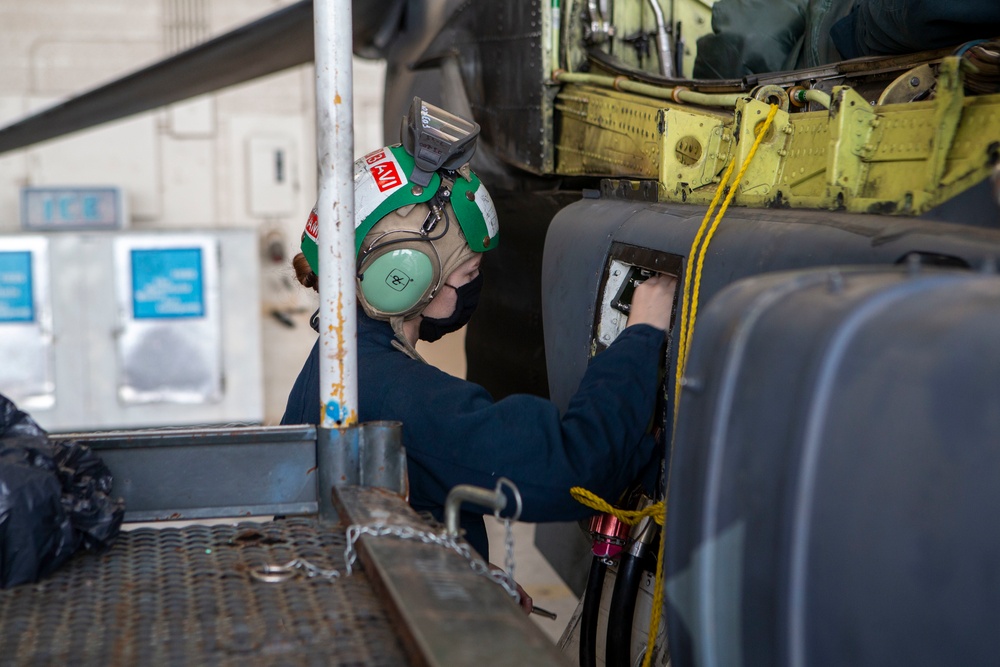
(335, 211)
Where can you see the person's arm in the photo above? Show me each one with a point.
(457, 434)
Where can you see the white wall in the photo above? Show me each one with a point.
(204, 163)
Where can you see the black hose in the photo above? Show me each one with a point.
(591, 612)
(622, 609)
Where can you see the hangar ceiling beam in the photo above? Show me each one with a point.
(276, 42)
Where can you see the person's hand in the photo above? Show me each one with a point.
(652, 301)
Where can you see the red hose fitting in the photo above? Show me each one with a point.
(609, 534)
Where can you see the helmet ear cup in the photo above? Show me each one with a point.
(396, 280)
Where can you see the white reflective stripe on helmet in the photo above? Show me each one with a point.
(489, 211)
(376, 176)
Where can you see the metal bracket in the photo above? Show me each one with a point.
(949, 98)
(852, 121)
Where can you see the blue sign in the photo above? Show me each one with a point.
(71, 208)
(16, 299)
(167, 283)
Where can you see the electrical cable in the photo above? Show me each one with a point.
(591, 612)
(618, 645)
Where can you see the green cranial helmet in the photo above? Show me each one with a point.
(406, 237)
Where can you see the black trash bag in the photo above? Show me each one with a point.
(54, 499)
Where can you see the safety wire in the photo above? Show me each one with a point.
(689, 313)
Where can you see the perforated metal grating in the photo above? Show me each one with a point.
(184, 596)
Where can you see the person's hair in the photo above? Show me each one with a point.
(303, 273)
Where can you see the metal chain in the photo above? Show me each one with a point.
(509, 548)
(507, 520)
(380, 529)
(277, 573)
(271, 573)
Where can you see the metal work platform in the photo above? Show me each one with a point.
(202, 595)
(185, 596)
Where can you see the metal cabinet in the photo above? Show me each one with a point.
(125, 329)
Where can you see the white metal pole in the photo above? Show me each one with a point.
(338, 372)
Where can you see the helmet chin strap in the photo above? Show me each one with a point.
(402, 343)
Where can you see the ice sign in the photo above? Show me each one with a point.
(16, 299)
(167, 282)
(52, 208)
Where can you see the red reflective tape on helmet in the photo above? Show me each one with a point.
(312, 226)
(386, 175)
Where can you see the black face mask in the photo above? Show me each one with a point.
(466, 300)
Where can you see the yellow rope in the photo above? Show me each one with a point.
(658, 592)
(689, 313)
(692, 284)
(682, 344)
(656, 511)
(630, 517)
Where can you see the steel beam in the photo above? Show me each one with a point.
(271, 44)
(207, 473)
(445, 612)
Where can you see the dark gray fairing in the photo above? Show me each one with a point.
(376, 26)
(748, 242)
(498, 47)
(834, 477)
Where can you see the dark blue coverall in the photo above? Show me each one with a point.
(455, 433)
